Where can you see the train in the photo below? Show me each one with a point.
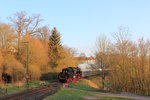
(82, 70)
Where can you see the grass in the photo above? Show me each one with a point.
(93, 83)
(66, 94)
(10, 88)
(82, 86)
(114, 98)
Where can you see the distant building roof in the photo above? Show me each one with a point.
(84, 58)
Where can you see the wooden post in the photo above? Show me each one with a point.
(27, 63)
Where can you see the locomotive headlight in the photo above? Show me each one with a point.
(74, 76)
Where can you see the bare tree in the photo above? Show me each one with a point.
(103, 49)
(25, 25)
(122, 38)
(143, 52)
(44, 33)
(102, 55)
(120, 76)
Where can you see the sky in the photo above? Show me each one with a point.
(81, 22)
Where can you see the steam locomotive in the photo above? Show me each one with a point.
(68, 74)
(82, 70)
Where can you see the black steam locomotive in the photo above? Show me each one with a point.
(68, 74)
(83, 70)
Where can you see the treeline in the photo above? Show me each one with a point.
(129, 61)
(25, 43)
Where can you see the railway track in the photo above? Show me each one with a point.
(34, 93)
(37, 93)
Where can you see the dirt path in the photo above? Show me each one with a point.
(99, 95)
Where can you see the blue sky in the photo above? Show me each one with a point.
(80, 22)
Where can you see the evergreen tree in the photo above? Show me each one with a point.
(55, 48)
